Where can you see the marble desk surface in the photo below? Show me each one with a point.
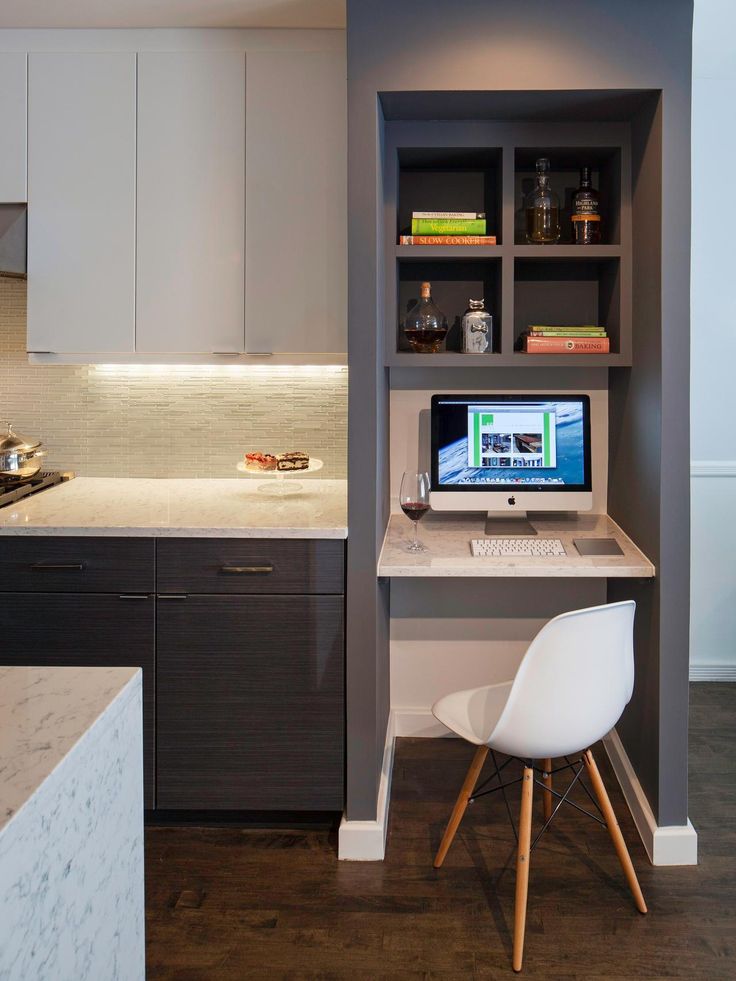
(447, 537)
(44, 712)
(224, 508)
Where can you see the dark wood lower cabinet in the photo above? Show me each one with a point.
(86, 629)
(243, 689)
(250, 706)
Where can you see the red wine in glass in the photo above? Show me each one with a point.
(414, 500)
(415, 510)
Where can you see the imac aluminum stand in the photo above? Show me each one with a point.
(501, 524)
(506, 524)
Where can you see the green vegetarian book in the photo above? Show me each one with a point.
(448, 226)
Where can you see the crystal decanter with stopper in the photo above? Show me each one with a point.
(542, 208)
(425, 327)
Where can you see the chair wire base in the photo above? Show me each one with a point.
(577, 766)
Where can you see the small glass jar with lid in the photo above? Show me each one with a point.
(477, 329)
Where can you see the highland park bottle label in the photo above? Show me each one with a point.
(586, 218)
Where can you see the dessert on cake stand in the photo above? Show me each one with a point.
(279, 483)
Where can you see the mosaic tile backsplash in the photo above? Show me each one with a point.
(186, 421)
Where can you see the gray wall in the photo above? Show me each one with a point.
(467, 45)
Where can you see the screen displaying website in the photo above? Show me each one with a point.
(510, 442)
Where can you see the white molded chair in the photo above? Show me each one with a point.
(572, 685)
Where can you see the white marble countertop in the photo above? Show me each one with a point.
(447, 539)
(44, 712)
(225, 508)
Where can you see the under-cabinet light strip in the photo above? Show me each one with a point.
(212, 370)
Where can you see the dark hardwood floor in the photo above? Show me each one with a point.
(229, 904)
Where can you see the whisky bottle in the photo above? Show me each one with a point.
(542, 207)
(586, 217)
(425, 327)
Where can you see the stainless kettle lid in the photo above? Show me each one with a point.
(11, 442)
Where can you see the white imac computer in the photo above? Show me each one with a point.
(510, 454)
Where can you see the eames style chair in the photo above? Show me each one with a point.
(571, 688)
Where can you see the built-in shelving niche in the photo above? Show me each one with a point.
(567, 291)
(489, 166)
(449, 179)
(565, 164)
(454, 282)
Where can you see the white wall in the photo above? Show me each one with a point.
(450, 634)
(713, 344)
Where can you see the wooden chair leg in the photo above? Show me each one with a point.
(522, 865)
(546, 797)
(614, 830)
(471, 778)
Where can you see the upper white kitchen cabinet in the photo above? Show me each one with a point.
(296, 202)
(191, 202)
(12, 127)
(81, 202)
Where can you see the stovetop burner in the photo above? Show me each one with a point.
(42, 480)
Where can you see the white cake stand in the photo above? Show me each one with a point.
(279, 482)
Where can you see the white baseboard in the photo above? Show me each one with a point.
(418, 722)
(365, 841)
(713, 468)
(674, 845)
(713, 672)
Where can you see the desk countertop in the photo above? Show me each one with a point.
(447, 537)
(217, 508)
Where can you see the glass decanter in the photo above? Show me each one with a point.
(542, 209)
(425, 327)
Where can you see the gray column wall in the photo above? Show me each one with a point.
(539, 45)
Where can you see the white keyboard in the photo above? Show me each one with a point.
(520, 547)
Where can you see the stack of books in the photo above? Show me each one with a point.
(447, 228)
(568, 339)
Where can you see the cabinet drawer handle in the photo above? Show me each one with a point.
(57, 567)
(171, 596)
(133, 596)
(246, 570)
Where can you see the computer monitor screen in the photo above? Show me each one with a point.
(511, 443)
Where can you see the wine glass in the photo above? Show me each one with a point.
(414, 500)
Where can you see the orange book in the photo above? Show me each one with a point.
(567, 345)
(447, 240)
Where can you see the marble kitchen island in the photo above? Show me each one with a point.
(71, 824)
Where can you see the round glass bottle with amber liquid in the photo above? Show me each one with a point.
(542, 209)
(425, 327)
